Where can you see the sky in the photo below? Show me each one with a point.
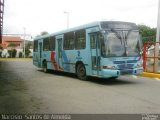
(37, 16)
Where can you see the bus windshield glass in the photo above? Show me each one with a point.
(121, 43)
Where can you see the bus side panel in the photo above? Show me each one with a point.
(49, 56)
(68, 57)
(71, 57)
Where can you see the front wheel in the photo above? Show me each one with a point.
(113, 78)
(81, 72)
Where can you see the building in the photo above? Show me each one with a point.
(10, 42)
(14, 42)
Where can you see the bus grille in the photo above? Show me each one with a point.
(123, 62)
(132, 61)
(119, 62)
(125, 66)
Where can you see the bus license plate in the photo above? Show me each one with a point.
(126, 72)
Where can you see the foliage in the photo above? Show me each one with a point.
(44, 33)
(148, 33)
(1, 48)
(27, 52)
(29, 45)
(12, 53)
(12, 44)
(20, 55)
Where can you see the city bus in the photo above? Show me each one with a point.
(106, 49)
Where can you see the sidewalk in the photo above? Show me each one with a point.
(15, 58)
(151, 75)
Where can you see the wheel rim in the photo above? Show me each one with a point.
(81, 72)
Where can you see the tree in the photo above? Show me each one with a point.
(1, 48)
(27, 47)
(27, 52)
(12, 45)
(148, 33)
(20, 54)
(44, 33)
(12, 53)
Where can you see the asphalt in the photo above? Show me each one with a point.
(145, 74)
(25, 88)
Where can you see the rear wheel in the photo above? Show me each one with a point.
(45, 67)
(81, 72)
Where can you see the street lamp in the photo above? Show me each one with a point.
(24, 41)
(67, 18)
(157, 38)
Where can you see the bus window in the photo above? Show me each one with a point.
(52, 43)
(46, 44)
(93, 42)
(80, 39)
(68, 41)
(35, 49)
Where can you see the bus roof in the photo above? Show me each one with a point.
(101, 24)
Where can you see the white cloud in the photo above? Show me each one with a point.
(48, 15)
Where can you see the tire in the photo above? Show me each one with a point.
(113, 78)
(81, 72)
(45, 70)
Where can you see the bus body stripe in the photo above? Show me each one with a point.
(55, 65)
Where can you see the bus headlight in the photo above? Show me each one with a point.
(139, 65)
(108, 67)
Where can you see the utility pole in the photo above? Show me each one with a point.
(67, 18)
(24, 41)
(157, 39)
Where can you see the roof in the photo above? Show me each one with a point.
(11, 39)
(70, 29)
(102, 25)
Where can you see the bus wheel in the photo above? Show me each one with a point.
(45, 67)
(81, 72)
(113, 78)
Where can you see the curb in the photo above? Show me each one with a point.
(151, 75)
(3, 59)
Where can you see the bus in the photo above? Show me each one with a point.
(106, 49)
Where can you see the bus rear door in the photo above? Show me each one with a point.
(40, 53)
(59, 52)
(95, 53)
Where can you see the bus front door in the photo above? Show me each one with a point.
(95, 53)
(59, 52)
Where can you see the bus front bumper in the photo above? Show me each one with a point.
(116, 73)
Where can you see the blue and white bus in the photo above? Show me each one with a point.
(102, 49)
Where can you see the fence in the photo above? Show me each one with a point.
(150, 57)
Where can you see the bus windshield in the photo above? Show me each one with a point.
(121, 43)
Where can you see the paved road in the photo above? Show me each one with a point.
(26, 89)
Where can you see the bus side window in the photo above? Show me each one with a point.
(35, 49)
(68, 43)
(93, 42)
(46, 45)
(80, 39)
(52, 43)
